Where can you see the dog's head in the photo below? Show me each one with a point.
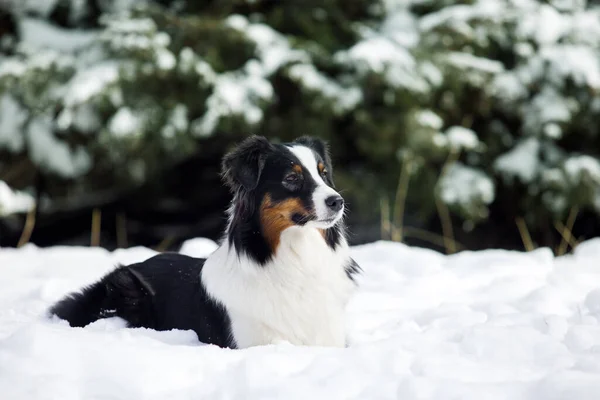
(287, 184)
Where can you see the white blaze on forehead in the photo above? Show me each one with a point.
(308, 161)
(322, 191)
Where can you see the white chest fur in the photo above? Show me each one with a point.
(299, 296)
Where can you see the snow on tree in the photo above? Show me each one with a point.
(507, 91)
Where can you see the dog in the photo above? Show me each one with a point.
(281, 274)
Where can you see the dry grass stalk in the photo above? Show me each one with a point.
(27, 228)
(165, 243)
(400, 200)
(431, 237)
(443, 212)
(96, 227)
(524, 232)
(121, 227)
(567, 232)
(386, 226)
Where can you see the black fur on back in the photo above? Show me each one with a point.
(161, 293)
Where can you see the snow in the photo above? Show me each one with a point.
(492, 324)
(124, 123)
(522, 161)
(387, 50)
(460, 138)
(342, 98)
(244, 92)
(90, 82)
(40, 34)
(461, 13)
(578, 167)
(469, 61)
(165, 60)
(12, 118)
(12, 67)
(14, 201)
(578, 62)
(273, 48)
(38, 7)
(52, 154)
(463, 185)
(546, 25)
(235, 94)
(378, 53)
(429, 119)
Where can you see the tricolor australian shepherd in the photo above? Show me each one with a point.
(282, 273)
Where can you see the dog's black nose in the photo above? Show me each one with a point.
(335, 203)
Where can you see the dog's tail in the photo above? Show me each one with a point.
(121, 293)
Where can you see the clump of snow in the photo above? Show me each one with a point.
(165, 60)
(235, 94)
(342, 98)
(546, 26)
(578, 62)
(383, 55)
(378, 53)
(90, 82)
(522, 161)
(177, 121)
(461, 14)
(179, 117)
(469, 61)
(553, 131)
(508, 87)
(579, 167)
(466, 187)
(387, 49)
(244, 92)
(14, 201)
(428, 118)
(41, 35)
(12, 67)
(12, 118)
(125, 123)
(198, 247)
(52, 154)
(273, 48)
(488, 324)
(461, 138)
(36, 7)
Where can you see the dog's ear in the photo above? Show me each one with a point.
(244, 164)
(320, 147)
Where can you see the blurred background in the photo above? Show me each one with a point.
(453, 124)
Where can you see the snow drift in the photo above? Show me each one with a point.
(490, 324)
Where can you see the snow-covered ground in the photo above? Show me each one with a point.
(476, 325)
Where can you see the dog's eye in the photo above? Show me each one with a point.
(324, 172)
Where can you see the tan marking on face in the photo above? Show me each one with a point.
(297, 168)
(321, 167)
(276, 217)
(323, 233)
